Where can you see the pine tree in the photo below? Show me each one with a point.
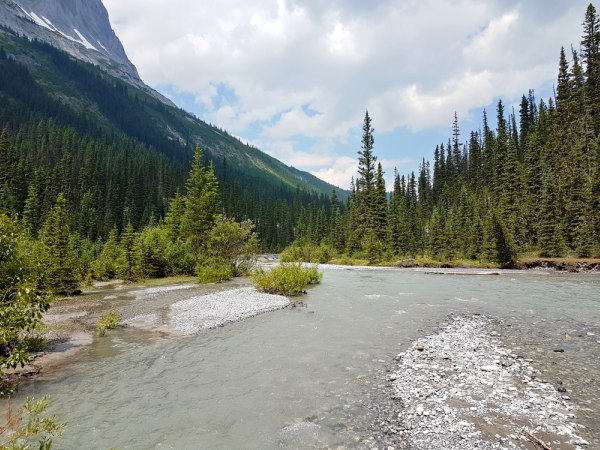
(174, 216)
(366, 181)
(61, 276)
(129, 251)
(380, 206)
(590, 45)
(202, 202)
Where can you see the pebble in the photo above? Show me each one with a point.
(468, 378)
(215, 310)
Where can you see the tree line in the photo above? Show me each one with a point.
(532, 184)
(111, 161)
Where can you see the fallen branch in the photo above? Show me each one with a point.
(537, 440)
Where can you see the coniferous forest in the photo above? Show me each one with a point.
(531, 184)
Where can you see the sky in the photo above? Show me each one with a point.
(295, 77)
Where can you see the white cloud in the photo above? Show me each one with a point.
(412, 63)
(340, 173)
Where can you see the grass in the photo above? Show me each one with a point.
(286, 279)
(167, 280)
(568, 259)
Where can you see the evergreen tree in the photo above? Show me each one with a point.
(62, 278)
(366, 181)
(381, 206)
(129, 251)
(202, 202)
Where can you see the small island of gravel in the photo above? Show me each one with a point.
(215, 310)
(462, 388)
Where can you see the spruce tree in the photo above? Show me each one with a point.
(129, 251)
(61, 276)
(380, 206)
(202, 202)
(366, 181)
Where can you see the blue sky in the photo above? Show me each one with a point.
(294, 77)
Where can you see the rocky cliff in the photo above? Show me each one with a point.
(79, 27)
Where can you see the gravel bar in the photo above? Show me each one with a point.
(215, 310)
(463, 389)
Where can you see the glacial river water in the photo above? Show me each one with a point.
(293, 378)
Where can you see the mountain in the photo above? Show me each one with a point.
(78, 27)
(82, 29)
(80, 120)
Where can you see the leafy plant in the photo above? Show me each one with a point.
(286, 279)
(213, 270)
(29, 425)
(108, 321)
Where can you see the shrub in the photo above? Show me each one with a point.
(286, 279)
(108, 321)
(234, 243)
(307, 252)
(30, 427)
(213, 270)
(295, 253)
(322, 254)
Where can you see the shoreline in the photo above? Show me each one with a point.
(70, 324)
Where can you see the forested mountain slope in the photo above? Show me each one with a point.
(119, 154)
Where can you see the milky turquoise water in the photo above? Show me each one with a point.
(240, 386)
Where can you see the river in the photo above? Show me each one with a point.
(293, 378)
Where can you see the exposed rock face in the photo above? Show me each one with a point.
(79, 27)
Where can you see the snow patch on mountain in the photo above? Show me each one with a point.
(84, 41)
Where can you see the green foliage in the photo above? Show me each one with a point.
(286, 279)
(129, 253)
(62, 277)
(235, 244)
(21, 302)
(306, 251)
(108, 321)
(30, 427)
(321, 254)
(202, 202)
(213, 270)
(111, 260)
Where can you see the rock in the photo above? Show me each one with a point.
(490, 368)
(580, 441)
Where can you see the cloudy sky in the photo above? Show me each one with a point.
(294, 77)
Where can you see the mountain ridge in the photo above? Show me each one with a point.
(79, 27)
(82, 29)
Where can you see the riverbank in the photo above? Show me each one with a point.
(166, 308)
(464, 388)
(567, 265)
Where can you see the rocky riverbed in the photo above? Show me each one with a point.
(168, 310)
(463, 388)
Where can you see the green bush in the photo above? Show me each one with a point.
(322, 254)
(286, 279)
(108, 321)
(295, 253)
(307, 252)
(213, 270)
(30, 427)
